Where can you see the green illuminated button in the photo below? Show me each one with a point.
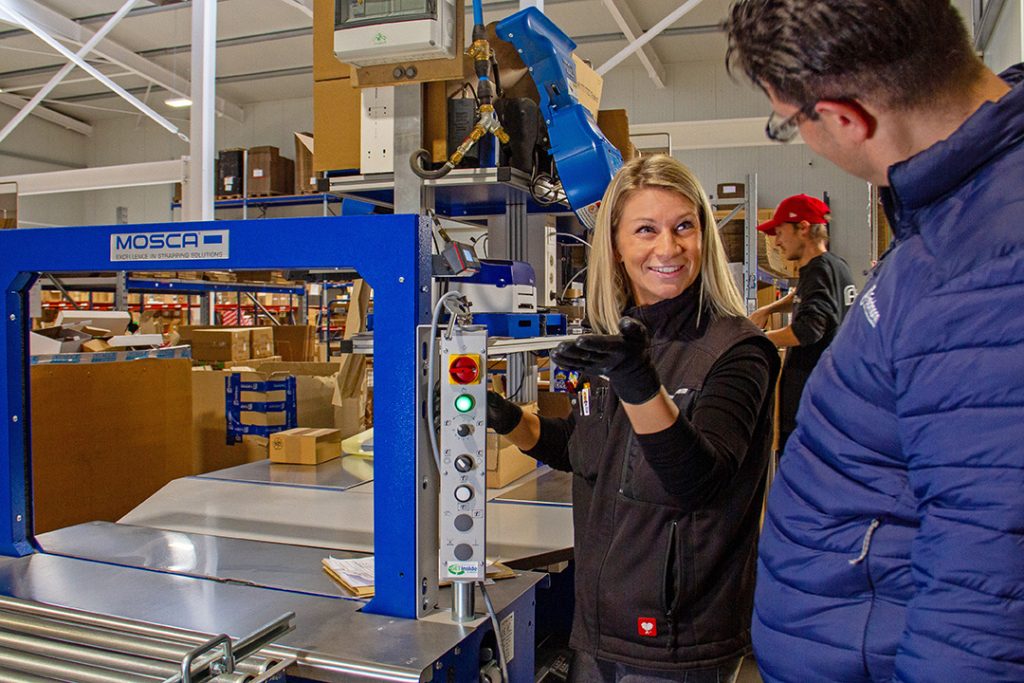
(464, 403)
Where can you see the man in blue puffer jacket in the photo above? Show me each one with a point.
(893, 547)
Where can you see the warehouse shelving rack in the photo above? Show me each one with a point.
(122, 285)
(753, 273)
(324, 199)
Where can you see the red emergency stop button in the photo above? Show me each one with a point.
(464, 369)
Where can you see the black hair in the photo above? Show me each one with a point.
(898, 54)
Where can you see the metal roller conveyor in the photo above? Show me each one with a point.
(143, 646)
(45, 643)
(63, 670)
(11, 676)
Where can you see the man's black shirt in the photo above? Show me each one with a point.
(824, 294)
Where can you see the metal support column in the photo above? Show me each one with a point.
(303, 316)
(521, 368)
(197, 196)
(208, 309)
(750, 245)
(408, 139)
(416, 584)
(121, 291)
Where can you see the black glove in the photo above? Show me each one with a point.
(502, 415)
(624, 358)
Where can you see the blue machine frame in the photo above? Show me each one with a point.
(391, 252)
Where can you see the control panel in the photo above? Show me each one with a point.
(463, 362)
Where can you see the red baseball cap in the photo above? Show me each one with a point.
(798, 208)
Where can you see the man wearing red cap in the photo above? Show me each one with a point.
(824, 293)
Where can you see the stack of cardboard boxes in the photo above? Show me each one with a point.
(336, 102)
(229, 346)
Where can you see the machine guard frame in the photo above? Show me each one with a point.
(392, 253)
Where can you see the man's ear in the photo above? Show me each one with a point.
(804, 229)
(848, 119)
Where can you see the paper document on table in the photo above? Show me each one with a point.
(356, 574)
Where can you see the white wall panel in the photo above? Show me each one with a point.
(1006, 46)
(51, 148)
(119, 141)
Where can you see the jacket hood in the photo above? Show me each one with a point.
(933, 173)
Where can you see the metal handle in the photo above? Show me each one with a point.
(224, 665)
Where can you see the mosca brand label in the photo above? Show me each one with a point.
(179, 245)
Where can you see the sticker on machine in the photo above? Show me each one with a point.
(173, 245)
(508, 636)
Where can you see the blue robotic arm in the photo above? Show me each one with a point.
(585, 159)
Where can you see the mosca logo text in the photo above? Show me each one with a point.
(169, 246)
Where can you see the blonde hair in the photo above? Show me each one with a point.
(818, 232)
(608, 286)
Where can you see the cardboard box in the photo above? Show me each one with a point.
(131, 341)
(320, 403)
(52, 340)
(230, 172)
(588, 86)
(114, 322)
(269, 173)
(553, 404)
(219, 276)
(261, 342)
(305, 177)
(305, 446)
(336, 107)
(221, 344)
(614, 123)
(505, 462)
(294, 343)
(731, 191)
(261, 276)
(325, 65)
(95, 346)
(94, 423)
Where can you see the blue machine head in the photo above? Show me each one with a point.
(502, 273)
(585, 160)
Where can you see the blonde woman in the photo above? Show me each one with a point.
(668, 441)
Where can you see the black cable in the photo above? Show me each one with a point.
(496, 77)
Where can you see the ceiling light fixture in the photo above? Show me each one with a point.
(178, 102)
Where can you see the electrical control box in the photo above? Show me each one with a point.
(463, 448)
(377, 130)
(368, 32)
